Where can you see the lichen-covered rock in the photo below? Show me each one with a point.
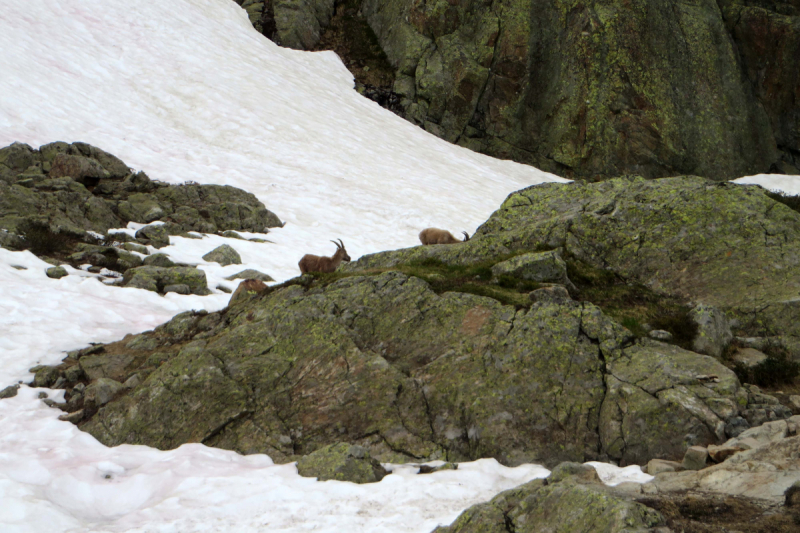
(565, 505)
(9, 392)
(224, 255)
(159, 260)
(422, 375)
(56, 272)
(154, 278)
(155, 235)
(565, 90)
(291, 23)
(535, 266)
(178, 289)
(106, 257)
(552, 294)
(341, 462)
(82, 169)
(250, 274)
(41, 185)
(102, 391)
(658, 390)
(46, 377)
(713, 330)
(684, 236)
(134, 247)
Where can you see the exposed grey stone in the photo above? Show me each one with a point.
(9, 392)
(56, 272)
(713, 330)
(102, 391)
(657, 466)
(535, 266)
(734, 426)
(232, 235)
(553, 294)
(154, 235)
(749, 357)
(661, 335)
(134, 247)
(250, 274)
(179, 289)
(695, 458)
(74, 374)
(224, 255)
(159, 260)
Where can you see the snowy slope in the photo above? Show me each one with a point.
(187, 90)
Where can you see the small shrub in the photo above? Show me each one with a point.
(41, 239)
(632, 304)
(776, 369)
(792, 201)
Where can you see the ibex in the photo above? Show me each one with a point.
(315, 263)
(439, 236)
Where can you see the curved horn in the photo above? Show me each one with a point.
(340, 242)
(466, 236)
(337, 244)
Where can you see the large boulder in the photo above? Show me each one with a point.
(76, 188)
(105, 256)
(569, 504)
(341, 462)
(656, 389)
(386, 363)
(153, 278)
(224, 255)
(719, 244)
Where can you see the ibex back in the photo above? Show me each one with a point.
(439, 236)
(315, 263)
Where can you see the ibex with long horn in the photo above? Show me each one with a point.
(315, 263)
(439, 236)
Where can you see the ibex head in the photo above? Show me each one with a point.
(341, 253)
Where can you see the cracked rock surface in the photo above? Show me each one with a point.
(384, 362)
(719, 244)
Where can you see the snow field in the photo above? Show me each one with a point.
(61, 479)
(187, 90)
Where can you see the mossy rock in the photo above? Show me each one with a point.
(154, 278)
(424, 375)
(56, 272)
(159, 260)
(684, 237)
(566, 504)
(155, 235)
(341, 462)
(224, 255)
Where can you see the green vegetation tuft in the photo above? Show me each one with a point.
(472, 279)
(793, 201)
(42, 240)
(632, 304)
(777, 369)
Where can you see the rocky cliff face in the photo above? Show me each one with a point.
(595, 90)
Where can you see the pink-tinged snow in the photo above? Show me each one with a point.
(187, 90)
(61, 479)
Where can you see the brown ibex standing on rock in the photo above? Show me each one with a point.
(315, 263)
(439, 236)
